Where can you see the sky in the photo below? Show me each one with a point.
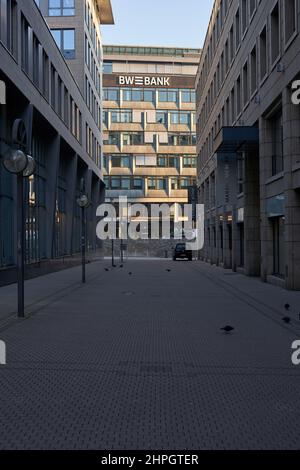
(180, 23)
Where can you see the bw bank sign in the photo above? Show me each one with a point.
(135, 80)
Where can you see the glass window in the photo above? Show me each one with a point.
(113, 138)
(133, 138)
(121, 116)
(69, 39)
(65, 40)
(157, 183)
(162, 161)
(61, 7)
(137, 183)
(136, 95)
(115, 182)
(179, 118)
(188, 96)
(127, 95)
(125, 183)
(189, 162)
(149, 95)
(111, 94)
(56, 33)
(167, 95)
(174, 183)
(118, 161)
(162, 117)
(107, 67)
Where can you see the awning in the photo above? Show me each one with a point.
(233, 139)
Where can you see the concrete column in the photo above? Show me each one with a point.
(252, 213)
(291, 142)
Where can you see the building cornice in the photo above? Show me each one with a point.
(105, 11)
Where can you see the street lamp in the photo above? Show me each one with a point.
(83, 202)
(16, 161)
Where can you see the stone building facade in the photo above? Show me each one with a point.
(248, 139)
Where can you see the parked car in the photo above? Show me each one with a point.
(180, 252)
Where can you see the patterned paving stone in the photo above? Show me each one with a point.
(97, 369)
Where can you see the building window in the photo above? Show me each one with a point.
(138, 94)
(253, 58)
(168, 161)
(278, 246)
(157, 184)
(179, 117)
(107, 67)
(277, 143)
(138, 183)
(120, 161)
(181, 139)
(188, 96)
(241, 172)
(61, 7)
(290, 15)
(275, 34)
(189, 162)
(8, 29)
(245, 84)
(263, 53)
(244, 16)
(238, 96)
(237, 30)
(162, 117)
(117, 182)
(111, 94)
(121, 116)
(186, 182)
(65, 40)
(146, 160)
(113, 139)
(252, 6)
(133, 138)
(168, 96)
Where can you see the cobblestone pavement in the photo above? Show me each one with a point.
(139, 362)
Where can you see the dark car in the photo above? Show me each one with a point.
(180, 252)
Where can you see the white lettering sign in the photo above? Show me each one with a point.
(142, 80)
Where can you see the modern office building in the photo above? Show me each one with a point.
(62, 133)
(248, 139)
(149, 123)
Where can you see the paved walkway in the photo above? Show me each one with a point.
(138, 361)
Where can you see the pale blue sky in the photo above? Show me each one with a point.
(181, 23)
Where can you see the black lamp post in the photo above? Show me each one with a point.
(16, 161)
(83, 202)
